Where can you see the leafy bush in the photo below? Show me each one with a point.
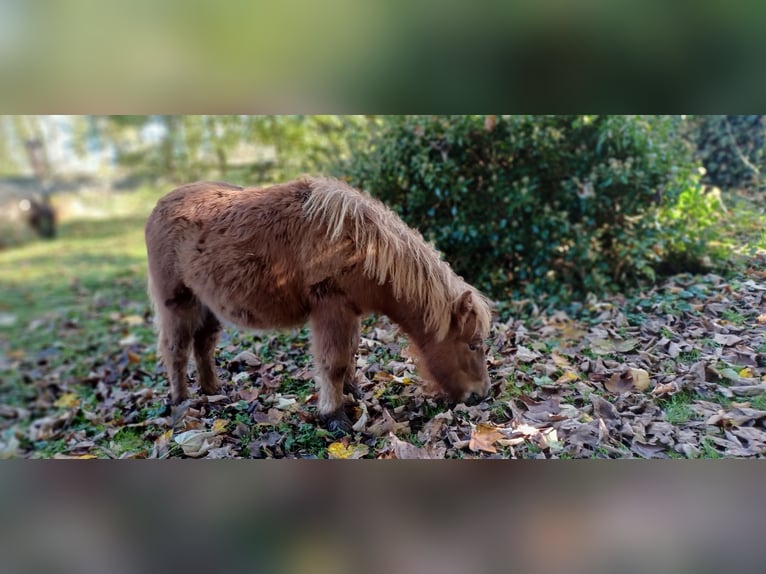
(732, 149)
(545, 204)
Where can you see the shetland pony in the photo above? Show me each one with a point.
(316, 250)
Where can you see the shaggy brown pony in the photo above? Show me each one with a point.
(315, 250)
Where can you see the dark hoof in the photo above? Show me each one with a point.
(211, 388)
(337, 423)
(350, 387)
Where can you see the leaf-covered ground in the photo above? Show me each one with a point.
(678, 371)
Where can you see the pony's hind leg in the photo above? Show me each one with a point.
(205, 339)
(334, 340)
(175, 337)
(178, 317)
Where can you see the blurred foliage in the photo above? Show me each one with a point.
(558, 205)
(548, 205)
(242, 149)
(732, 149)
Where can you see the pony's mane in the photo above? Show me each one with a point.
(393, 252)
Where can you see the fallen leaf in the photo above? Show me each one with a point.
(67, 401)
(196, 443)
(483, 438)
(664, 389)
(404, 450)
(560, 360)
(567, 377)
(221, 452)
(162, 444)
(219, 425)
(9, 446)
(526, 355)
(748, 390)
(726, 340)
(388, 424)
(746, 373)
(640, 379)
(285, 403)
(338, 450)
(609, 346)
(621, 382)
(129, 340)
(361, 421)
(75, 457)
(246, 358)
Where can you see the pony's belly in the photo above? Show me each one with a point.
(262, 317)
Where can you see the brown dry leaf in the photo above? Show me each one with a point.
(404, 450)
(761, 318)
(526, 355)
(339, 450)
(747, 390)
(736, 417)
(664, 389)
(74, 457)
(133, 357)
(162, 445)
(609, 346)
(11, 412)
(619, 383)
(603, 409)
(361, 419)
(483, 437)
(560, 360)
(246, 358)
(133, 320)
(46, 428)
(387, 424)
(726, 340)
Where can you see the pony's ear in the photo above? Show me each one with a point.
(463, 310)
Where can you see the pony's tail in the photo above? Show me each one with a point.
(152, 293)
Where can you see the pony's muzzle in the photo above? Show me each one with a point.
(475, 397)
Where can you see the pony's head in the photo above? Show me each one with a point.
(458, 362)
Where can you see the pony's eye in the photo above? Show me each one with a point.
(472, 346)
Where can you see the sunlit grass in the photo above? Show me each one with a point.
(93, 256)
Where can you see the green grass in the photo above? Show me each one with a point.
(128, 440)
(678, 408)
(94, 262)
(708, 449)
(69, 298)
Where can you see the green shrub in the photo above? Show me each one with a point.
(732, 149)
(560, 205)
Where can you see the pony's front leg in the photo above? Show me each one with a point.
(334, 341)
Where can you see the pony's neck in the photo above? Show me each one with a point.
(403, 312)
